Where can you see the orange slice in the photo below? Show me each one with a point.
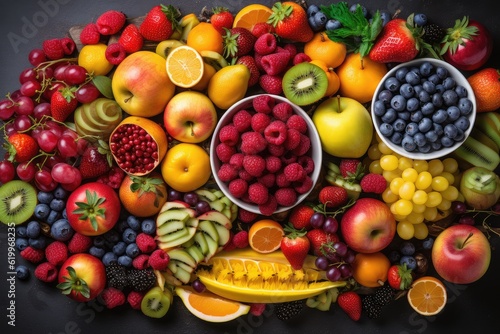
(427, 295)
(248, 16)
(185, 66)
(209, 306)
(264, 236)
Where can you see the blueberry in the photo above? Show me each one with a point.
(429, 87)
(134, 223)
(450, 131)
(425, 124)
(447, 142)
(332, 25)
(410, 261)
(431, 136)
(64, 214)
(401, 73)
(434, 78)
(420, 19)
(440, 89)
(125, 261)
(97, 251)
(21, 243)
(418, 89)
(52, 217)
(38, 243)
(132, 250)
(33, 229)
(408, 144)
(404, 115)
(121, 225)
(60, 192)
(42, 211)
(412, 78)
(449, 83)
(394, 256)
(313, 24)
(44, 197)
(442, 72)
(412, 104)
(406, 90)
(392, 84)
(436, 145)
(61, 230)
(426, 148)
(416, 116)
(440, 116)
(148, 226)
(407, 248)
(385, 96)
(427, 243)
(419, 139)
(450, 97)
(109, 258)
(398, 102)
(320, 19)
(426, 68)
(460, 135)
(461, 91)
(22, 272)
(119, 248)
(379, 108)
(399, 125)
(427, 108)
(312, 9)
(57, 204)
(129, 235)
(396, 138)
(386, 129)
(355, 7)
(411, 128)
(112, 236)
(21, 231)
(389, 116)
(465, 106)
(385, 16)
(453, 113)
(99, 241)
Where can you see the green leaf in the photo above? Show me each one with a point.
(103, 84)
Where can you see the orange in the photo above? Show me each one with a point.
(486, 86)
(248, 16)
(204, 37)
(184, 66)
(209, 306)
(333, 78)
(143, 196)
(320, 47)
(264, 236)
(370, 269)
(359, 78)
(427, 295)
(186, 167)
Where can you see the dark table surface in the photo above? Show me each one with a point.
(40, 308)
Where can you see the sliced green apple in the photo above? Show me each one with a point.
(207, 227)
(206, 195)
(196, 253)
(216, 217)
(181, 255)
(201, 242)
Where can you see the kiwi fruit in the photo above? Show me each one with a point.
(155, 303)
(17, 202)
(472, 152)
(304, 83)
(489, 124)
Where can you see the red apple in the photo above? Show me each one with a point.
(190, 117)
(368, 226)
(461, 254)
(82, 277)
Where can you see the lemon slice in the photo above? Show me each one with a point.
(184, 66)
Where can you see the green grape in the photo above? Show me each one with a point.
(403, 207)
(421, 231)
(434, 198)
(409, 174)
(450, 165)
(444, 205)
(395, 184)
(435, 167)
(389, 162)
(419, 197)
(450, 194)
(407, 190)
(420, 165)
(448, 176)
(405, 230)
(404, 163)
(390, 175)
(439, 183)
(415, 218)
(389, 197)
(374, 167)
(424, 180)
(384, 149)
(419, 208)
(373, 152)
(430, 213)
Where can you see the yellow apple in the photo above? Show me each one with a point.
(344, 127)
(141, 85)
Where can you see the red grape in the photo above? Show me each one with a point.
(340, 248)
(198, 286)
(317, 220)
(87, 93)
(466, 220)
(47, 140)
(202, 207)
(22, 123)
(9, 129)
(25, 105)
(27, 75)
(48, 92)
(321, 262)
(41, 109)
(333, 274)
(66, 146)
(458, 207)
(26, 171)
(55, 127)
(7, 171)
(174, 195)
(36, 57)
(191, 198)
(345, 270)
(30, 88)
(63, 173)
(60, 72)
(331, 225)
(75, 74)
(7, 109)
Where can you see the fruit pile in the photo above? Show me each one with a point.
(106, 174)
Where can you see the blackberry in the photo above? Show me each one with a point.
(433, 33)
(289, 310)
(373, 309)
(384, 295)
(141, 279)
(116, 276)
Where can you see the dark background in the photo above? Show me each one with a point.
(40, 308)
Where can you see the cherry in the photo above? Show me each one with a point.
(26, 171)
(7, 171)
(36, 57)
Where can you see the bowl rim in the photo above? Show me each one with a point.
(455, 73)
(316, 154)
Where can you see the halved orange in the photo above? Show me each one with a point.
(264, 236)
(427, 295)
(209, 306)
(185, 66)
(248, 16)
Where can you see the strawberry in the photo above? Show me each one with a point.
(131, 39)
(221, 19)
(373, 183)
(249, 62)
(333, 196)
(20, 147)
(90, 34)
(275, 63)
(295, 246)
(262, 28)
(238, 42)
(289, 20)
(350, 303)
(63, 103)
(160, 23)
(319, 238)
(300, 216)
(399, 277)
(95, 161)
(110, 22)
(271, 84)
(351, 168)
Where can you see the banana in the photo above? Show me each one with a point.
(214, 59)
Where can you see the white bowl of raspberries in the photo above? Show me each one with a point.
(265, 154)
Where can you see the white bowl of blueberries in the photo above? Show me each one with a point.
(423, 109)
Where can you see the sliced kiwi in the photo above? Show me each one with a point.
(304, 83)
(155, 303)
(472, 152)
(17, 202)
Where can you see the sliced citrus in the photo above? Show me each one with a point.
(427, 295)
(185, 66)
(248, 16)
(264, 236)
(209, 306)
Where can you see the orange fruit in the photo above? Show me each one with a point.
(427, 295)
(186, 167)
(143, 196)
(333, 78)
(264, 236)
(184, 66)
(249, 15)
(204, 37)
(486, 86)
(370, 269)
(320, 47)
(359, 77)
(209, 306)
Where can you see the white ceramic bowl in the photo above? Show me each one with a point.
(315, 152)
(433, 154)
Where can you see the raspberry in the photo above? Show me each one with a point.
(254, 164)
(240, 239)
(252, 142)
(238, 187)
(269, 206)
(271, 84)
(113, 178)
(112, 297)
(246, 216)
(373, 183)
(265, 44)
(56, 253)
(258, 58)
(267, 179)
(275, 63)
(225, 152)
(260, 121)
(333, 196)
(303, 147)
(33, 255)
(68, 45)
(145, 242)
(90, 34)
(303, 186)
(288, 158)
(134, 298)
(286, 196)
(115, 53)
(301, 57)
(294, 172)
(159, 259)
(110, 22)
(292, 139)
(275, 132)
(244, 175)
(282, 111)
(53, 48)
(257, 193)
(263, 103)
(276, 150)
(273, 164)
(229, 134)
(241, 120)
(256, 309)
(282, 181)
(291, 48)
(298, 123)
(141, 261)
(46, 272)
(227, 172)
(307, 163)
(237, 160)
(79, 243)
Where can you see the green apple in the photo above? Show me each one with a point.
(344, 127)
(480, 187)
